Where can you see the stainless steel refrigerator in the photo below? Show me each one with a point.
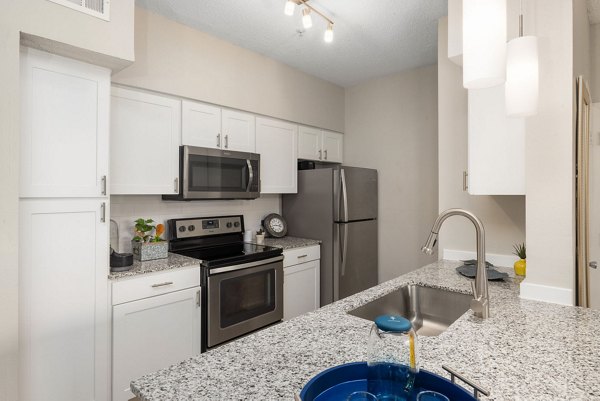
(339, 207)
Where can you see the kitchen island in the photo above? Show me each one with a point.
(526, 350)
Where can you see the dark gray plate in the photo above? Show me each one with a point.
(470, 271)
(473, 262)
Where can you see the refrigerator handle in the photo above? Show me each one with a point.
(344, 194)
(344, 248)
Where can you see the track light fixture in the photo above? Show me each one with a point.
(290, 6)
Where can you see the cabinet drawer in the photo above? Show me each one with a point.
(145, 286)
(301, 255)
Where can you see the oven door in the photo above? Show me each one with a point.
(244, 298)
(219, 174)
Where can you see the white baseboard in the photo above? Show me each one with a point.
(545, 293)
(494, 258)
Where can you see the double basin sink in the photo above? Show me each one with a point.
(430, 310)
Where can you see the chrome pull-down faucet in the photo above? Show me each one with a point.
(480, 304)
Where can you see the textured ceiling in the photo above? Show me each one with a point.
(372, 38)
(593, 7)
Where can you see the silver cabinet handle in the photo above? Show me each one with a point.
(176, 185)
(162, 284)
(594, 264)
(325, 154)
(476, 387)
(302, 256)
(226, 141)
(218, 140)
(465, 181)
(198, 300)
(103, 179)
(103, 212)
(320, 154)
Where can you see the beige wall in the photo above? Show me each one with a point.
(502, 216)
(595, 62)
(391, 125)
(550, 160)
(176, 59)
(44, 19)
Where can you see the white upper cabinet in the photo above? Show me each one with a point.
(276, 142)
(64, 126)
(333, 145)
(64, 322)
(201, 125)
(145, 138)
(239, 131)
(320, 145)
(209, 126)
(310, 143)
(496, 145)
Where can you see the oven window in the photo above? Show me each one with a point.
(218, 174)
(246, 297)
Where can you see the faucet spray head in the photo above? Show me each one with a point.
(430, 244)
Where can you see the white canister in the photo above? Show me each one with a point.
(248, 236)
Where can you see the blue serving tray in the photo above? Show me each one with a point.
(338, 382)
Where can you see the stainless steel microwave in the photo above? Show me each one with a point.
(206, 173)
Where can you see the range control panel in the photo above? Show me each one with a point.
(205, 226)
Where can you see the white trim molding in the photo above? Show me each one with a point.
(545, 293)
(494, 258)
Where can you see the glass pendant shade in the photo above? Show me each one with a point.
(522, 77)
(290, 6)
(484, 43)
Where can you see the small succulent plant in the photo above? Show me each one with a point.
(520, 251)
(144, 228)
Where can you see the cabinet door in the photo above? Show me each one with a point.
(64, 126)
(301, 289)
(238, 131)
(201, 125)
(496, 145)
(63, 300)
(151, 334)
(309, 143)
(145, 134)
(276, 142)
(333, 147)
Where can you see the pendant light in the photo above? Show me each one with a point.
(306, 18)
(522, 74)
(290, 6)
(484, 43)
(328, 37)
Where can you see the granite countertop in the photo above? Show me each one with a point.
(291, 242)
(526, 350)
(173, 261)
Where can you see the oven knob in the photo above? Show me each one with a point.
(236, 224)
(191, 227)
(229, 224)
(181, 229)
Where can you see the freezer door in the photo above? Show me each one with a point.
(355, 194)
(355, 257)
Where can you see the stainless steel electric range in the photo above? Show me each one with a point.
(242, 283)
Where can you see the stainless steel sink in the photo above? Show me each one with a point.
(430, 310)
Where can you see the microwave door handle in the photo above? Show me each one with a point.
(250, 175)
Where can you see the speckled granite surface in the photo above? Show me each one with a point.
(527, 351)
(174, 261)
(291, 242)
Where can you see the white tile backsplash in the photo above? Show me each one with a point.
(127, 208)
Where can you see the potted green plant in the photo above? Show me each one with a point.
(147, 243)
(520, 265)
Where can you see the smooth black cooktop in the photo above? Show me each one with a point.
(230, 254)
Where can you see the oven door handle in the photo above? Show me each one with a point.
(250, 175)
(226, 269)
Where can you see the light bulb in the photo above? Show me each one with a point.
(329, 33)
(484, 43)
(289, 8)
(306, 18)
(522, 77)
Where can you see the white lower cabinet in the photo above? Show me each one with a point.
(153, 333)
(301, 281)
(64, 329)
